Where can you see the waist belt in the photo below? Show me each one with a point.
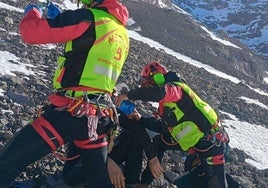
(82, 94)
(216, 137)
(83, 106)
(93, 106)
(74, 93)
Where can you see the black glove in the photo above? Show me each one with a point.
(104, 125)
(169, 118)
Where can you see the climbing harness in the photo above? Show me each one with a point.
(216, 136)
(93, 107)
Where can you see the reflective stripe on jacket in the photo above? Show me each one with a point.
(192, 117)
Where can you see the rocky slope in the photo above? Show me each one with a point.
(181, 33)
(243, 20)
(25, 94)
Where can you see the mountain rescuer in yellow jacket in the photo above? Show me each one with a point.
(81, 112)
(184, 121)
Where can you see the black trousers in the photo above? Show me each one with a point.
(27, 146)
(147, 177)
(214, 175)
(128, 153)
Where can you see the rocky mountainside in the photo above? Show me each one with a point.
(25, 94)
(181, 33)
(244, 20)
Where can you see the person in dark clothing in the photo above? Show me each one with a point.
(129, 160)
(127, 153)
(183, 118)
(194, 176)
(81, 109)
(133, 140)
(128, 150)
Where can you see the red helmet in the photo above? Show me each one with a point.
(152, 68)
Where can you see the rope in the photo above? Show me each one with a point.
(167, 143)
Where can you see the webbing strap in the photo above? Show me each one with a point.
(216, 160)
(216, 125)
(205, 150)
(87, 144)
(41, 125)
(166, 142)
(63, 158)
(85, 88)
